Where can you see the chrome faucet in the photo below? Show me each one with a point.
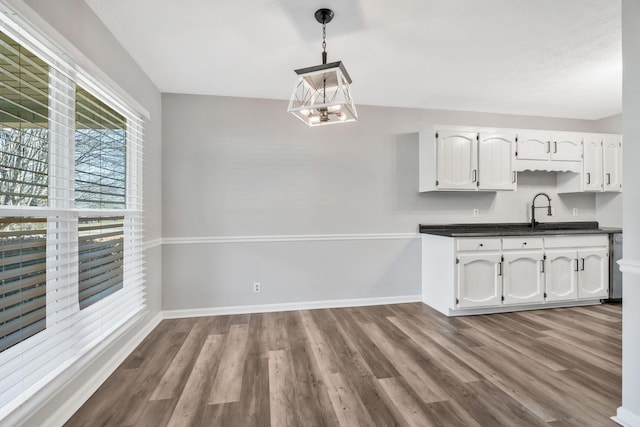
(534, 207)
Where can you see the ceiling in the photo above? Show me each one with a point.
(556, 58)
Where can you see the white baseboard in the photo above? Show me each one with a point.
(626, 418)
(268, 308)
(81, 395)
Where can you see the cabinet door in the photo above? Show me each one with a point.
(567, 148)
(612, 153)
(523, 280)
(533, 146)
(593, 274)
(592, 166)
(561, 275)
(496, 154)
(457, 165)
(479, 281)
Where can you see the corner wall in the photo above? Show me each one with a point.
(323, 214)
(629, 413)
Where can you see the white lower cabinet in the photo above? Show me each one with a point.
(593, 273)
(561, 277)
(479, 281)
(523, 281)
(495, 272)
(577, 267)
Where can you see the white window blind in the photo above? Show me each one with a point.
(71, 218)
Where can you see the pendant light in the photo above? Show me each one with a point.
(322, 93)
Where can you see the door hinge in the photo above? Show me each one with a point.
(457, 260)
(436, 135)
(544, 257)
(478, 184)
(457, 301)
(478, 137)
(437, 182)
(502, 298)
(545, 295)
(502, 258)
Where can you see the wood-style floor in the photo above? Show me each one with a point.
(387, 365)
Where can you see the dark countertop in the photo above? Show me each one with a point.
(516, 229)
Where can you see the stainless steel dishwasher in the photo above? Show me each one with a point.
(615, 276)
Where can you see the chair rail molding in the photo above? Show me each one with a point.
(631, 266)
(285, 238)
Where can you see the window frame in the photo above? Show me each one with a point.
(64, 317)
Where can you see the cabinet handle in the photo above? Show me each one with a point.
(608, 179)
(474, 175)
(588, 177)
(499, 269)
(577, 267)
(481, 244)
(541, 266)
(555, 146)
(548, 146)
(582, 264)
(513, 177)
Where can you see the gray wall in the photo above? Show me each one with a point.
(78, 24)
(631, 210)
(244, 167)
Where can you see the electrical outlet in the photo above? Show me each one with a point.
(256, 287)
(575, 211)
(476, 213)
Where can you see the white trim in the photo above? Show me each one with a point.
(285, 238)
(150, 244)
(629, 265)
(64, 412)
(292, 306)
(626, 418)
(523, 307)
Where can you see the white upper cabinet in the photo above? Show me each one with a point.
(601, 166)
(496, 155)
(533, 146)
(464, 158)
(566, 146)
(549, 151)
(612, 160)
(457, 161)
(592, 169)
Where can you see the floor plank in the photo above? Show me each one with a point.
(403, 364)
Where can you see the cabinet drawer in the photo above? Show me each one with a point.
(484, 244)
(576, 241)
(522, 243)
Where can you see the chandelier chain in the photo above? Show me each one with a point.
(324, 37)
